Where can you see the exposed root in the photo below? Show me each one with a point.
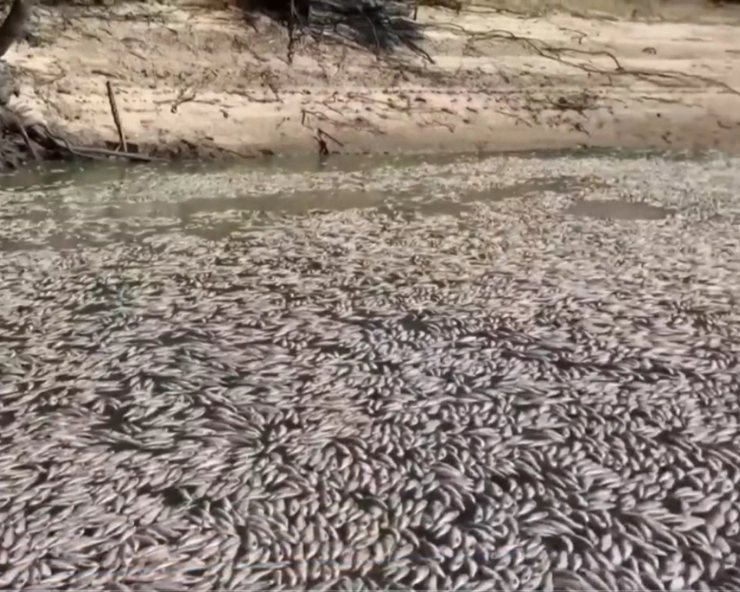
(557, 54)
(21, 141)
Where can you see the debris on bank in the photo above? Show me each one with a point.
(24, 139)
(143, 81)
(381, 26)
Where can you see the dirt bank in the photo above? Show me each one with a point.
(186, 75)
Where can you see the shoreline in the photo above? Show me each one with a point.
(204, 83)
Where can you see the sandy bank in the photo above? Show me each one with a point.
(187, 76)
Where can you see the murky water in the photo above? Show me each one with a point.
(68, 205)
(619, 210)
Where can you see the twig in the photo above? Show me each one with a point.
(27, 140)
(116, 117)
(132, 156)
(8, 119)
(420, 51)
(42, 130)
(271, 84)
(247, 95)
(322, 133)
(291, 31)
(181, 98)
(726, 126)
(305, 113)
(24, 134)
(323, 148)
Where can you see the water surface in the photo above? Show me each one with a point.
(64, 205)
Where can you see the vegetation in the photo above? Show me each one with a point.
(383, 25)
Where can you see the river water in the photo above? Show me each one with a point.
(60, 202)
(457, 372)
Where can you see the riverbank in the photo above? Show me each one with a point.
(189, 79)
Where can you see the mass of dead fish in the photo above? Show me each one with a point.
(507, 398)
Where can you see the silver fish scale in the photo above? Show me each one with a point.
(509, 398)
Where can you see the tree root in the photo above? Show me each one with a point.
(21, 142)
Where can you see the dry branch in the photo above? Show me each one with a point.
(116, 116)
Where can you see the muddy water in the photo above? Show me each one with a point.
(618, 210)
(67, 205)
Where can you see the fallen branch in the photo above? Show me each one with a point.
(323, 148)
(41, 132)
(90, 152)
(116, 117)
(322, 133)
(11, 120)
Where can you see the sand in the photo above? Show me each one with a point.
(495, 82)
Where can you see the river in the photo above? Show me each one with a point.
(461, 372)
